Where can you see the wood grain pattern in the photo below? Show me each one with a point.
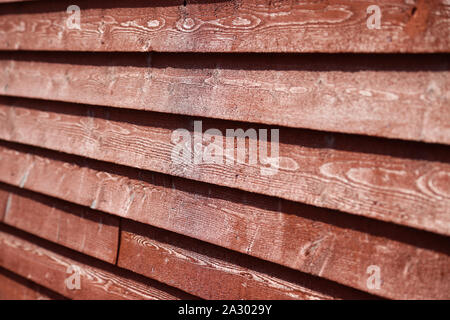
(227, 26)
(321, 242)
(74, 227)
(4, 203)
(152, 252)
(47, 264)
(404, 183)
(215, 273)
(13, 287)
(88, 182)
(404, 97)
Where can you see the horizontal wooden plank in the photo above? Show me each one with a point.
(154, 253)
(4, 202)
(216, 273)
(13, 287)
(394, 181)
(224, 26)
(50, 266)
(75, 227)
(381, 95)
(321, 242)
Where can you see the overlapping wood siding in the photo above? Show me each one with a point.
(93, 204)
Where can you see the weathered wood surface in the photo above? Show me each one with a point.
(394, 181)
(13, 287)
(404, 97)
(404, 279)
(227, 26)
(75, 227)
(321, 242)
(49, 265)
(215, 273)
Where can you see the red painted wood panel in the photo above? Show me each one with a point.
(13, 287)
(4, 205)
(48, 265)
(87, 176)
(404, 183)
(224, 26)
(330, 244)
(408, 274)
(75, 227)
(214, 273)
(391, 96)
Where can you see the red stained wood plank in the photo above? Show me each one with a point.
(382, 95)
(321, 242)
(404, 183)
(4, 200)
(74, 227)
(13, 287)
(47, 264)
(238, 26)
(214, 273)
